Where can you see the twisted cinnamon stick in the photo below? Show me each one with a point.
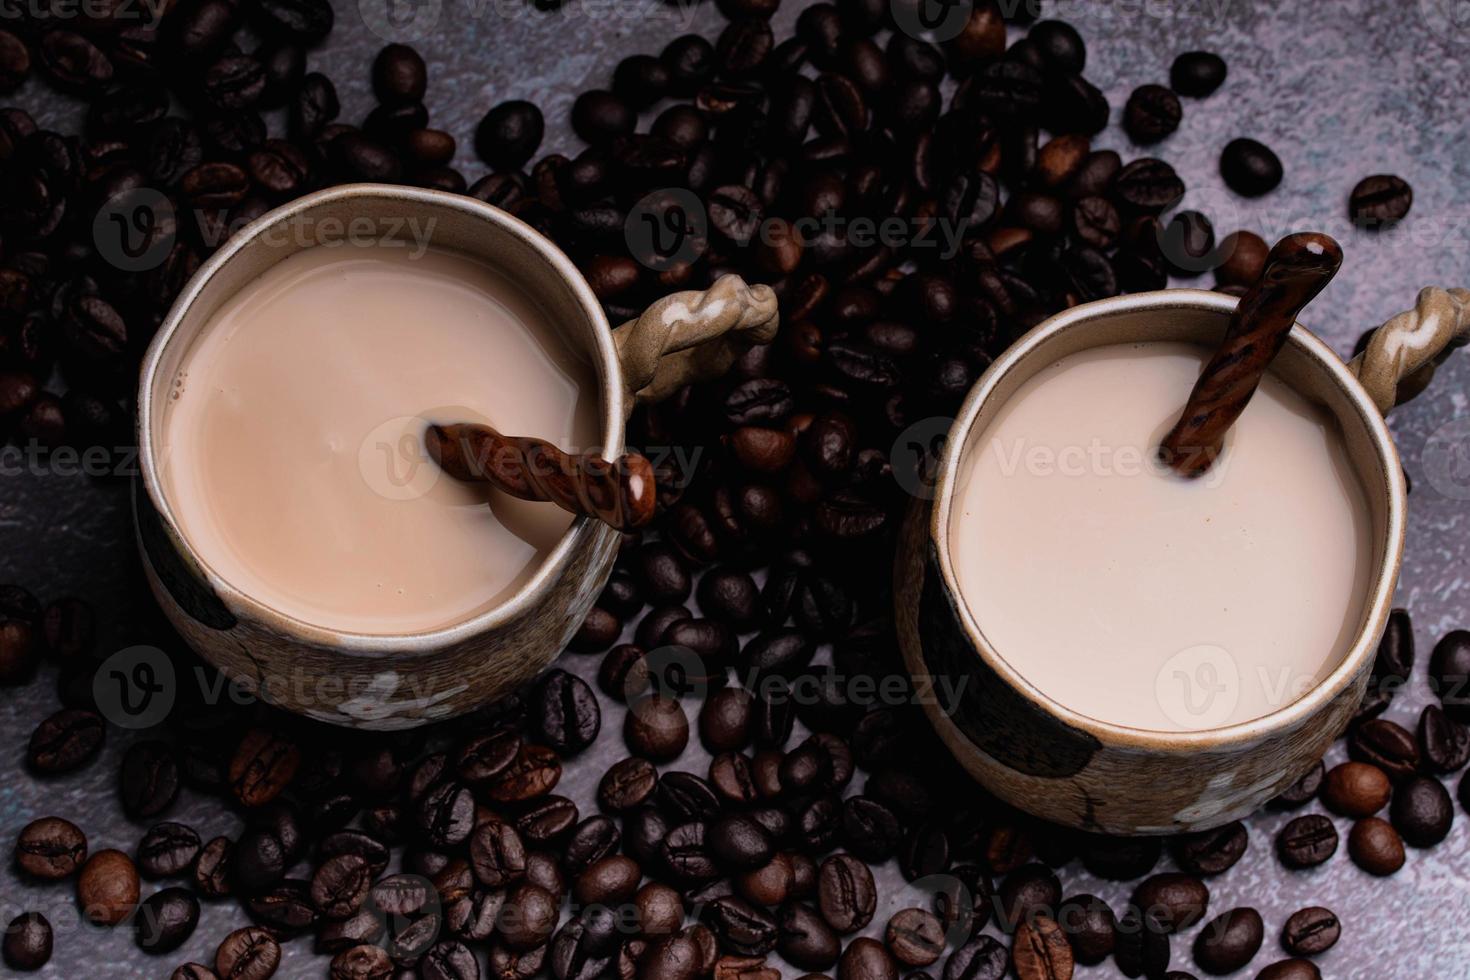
(620, 493)
(1296, 270)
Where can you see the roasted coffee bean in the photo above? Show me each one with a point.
(212, 869)
(845, 893)
(627, 784)
(656, 728)
(1293, 969)
(286, 909)
(529, 917)
(263, 765)
(565, 712)
(915, 937)
(1422, 811)
(362, 962)
(1243, 256)
(1197, 73)
(1040, 950)
(341, 885)
(1306, 841)
(1310, 931)
(805, 939)
(1380, 201)
(1249, 167)
(107, 887)
(1388, 746)
(1375, 846)
(149, 779)
(1147, 186)
(497, 854)
(446, 814)
(1449, 674)
(1152, 113)
(449, 959)
(1211, 852)
(659, 909)
(684, 796)
(1141, 947)
(1355, 789)
(1229, 941)
(314, 106)
(740, 926)
(165, 920)
(1443, 742)
(532, 775)
(247, 954)
(1091, 927)
(867, 959)
(591, 841)
(610, 881)
(65, 741)
(356, 843)
(738, 842)
(259, 860)
(1027, 892)
(979, 958)
(28, 942)
(50, 848)
(725, 719)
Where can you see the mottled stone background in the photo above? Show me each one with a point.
(1340, 90)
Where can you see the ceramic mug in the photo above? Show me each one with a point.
(1075, 770)
(399, 681)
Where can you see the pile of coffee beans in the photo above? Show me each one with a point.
(917, 206)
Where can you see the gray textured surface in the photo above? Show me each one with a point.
(1340, 90)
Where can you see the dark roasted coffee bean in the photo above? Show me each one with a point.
(870, 829)
(1375, 846)
(565, 712)
(247, 954)
(1355, 789)
(1449, 674)
(915, 937)
(845, 893)
(303, 21)
(805, 939)
(1152, 113)
(149, 779)
(738, 842)
(1387, 745)
(357, 843)
(656, 728)
(263, 765)
(51, 848)
(725, 718)
(1249, 167)
(341, 885)
(1422, 811)
(449, 959)
(740, 926)
(1310, 931)
(1443, 742)
(1090, 925)
(212, 871)
(532, 775)
(1306, 841)
(165, 920)
(65, 741)
(107, 887)
(286, 910)
(314, 106)
(1197, 73)
(1147, 186)
(1211, 852)
(1229, 941)
(1187, 243)
(362, 962)
(259, 860)
(1120, 858)
(690, 60)
(1380, 201)
(536, 912)
(1142, 945)
(864, 958)
(1294, 969)
(1030, 890)
(979, 958)
(1040, 950)
(399, 75)
(28, 942)
(497, 854)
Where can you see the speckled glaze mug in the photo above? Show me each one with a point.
(399, 681)
(1074, 770)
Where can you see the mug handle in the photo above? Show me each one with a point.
(693, 336)
(1401, 355)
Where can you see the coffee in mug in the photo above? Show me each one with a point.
(1141, 598)
(292, 442)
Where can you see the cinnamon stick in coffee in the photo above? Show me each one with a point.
(620, 493)
(1296, 270)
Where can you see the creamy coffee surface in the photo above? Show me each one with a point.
(292, 445)
(1137, 597)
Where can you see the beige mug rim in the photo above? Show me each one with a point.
(552, 567)
(1380, 596)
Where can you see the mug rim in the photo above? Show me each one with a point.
(532, 591)
(1377, 601)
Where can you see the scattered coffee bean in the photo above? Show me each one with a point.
(1422, 811)
(1197, 73)
(27, 943)
(1310, 931)
(1449, 674)
(1229, 941)
(50, 848)
(1249, 167)
(107, 887)
(1380, 201)
(247, 954)
(1307, 841)
(1356, 789)
(1152, 113)
(1375, 846)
